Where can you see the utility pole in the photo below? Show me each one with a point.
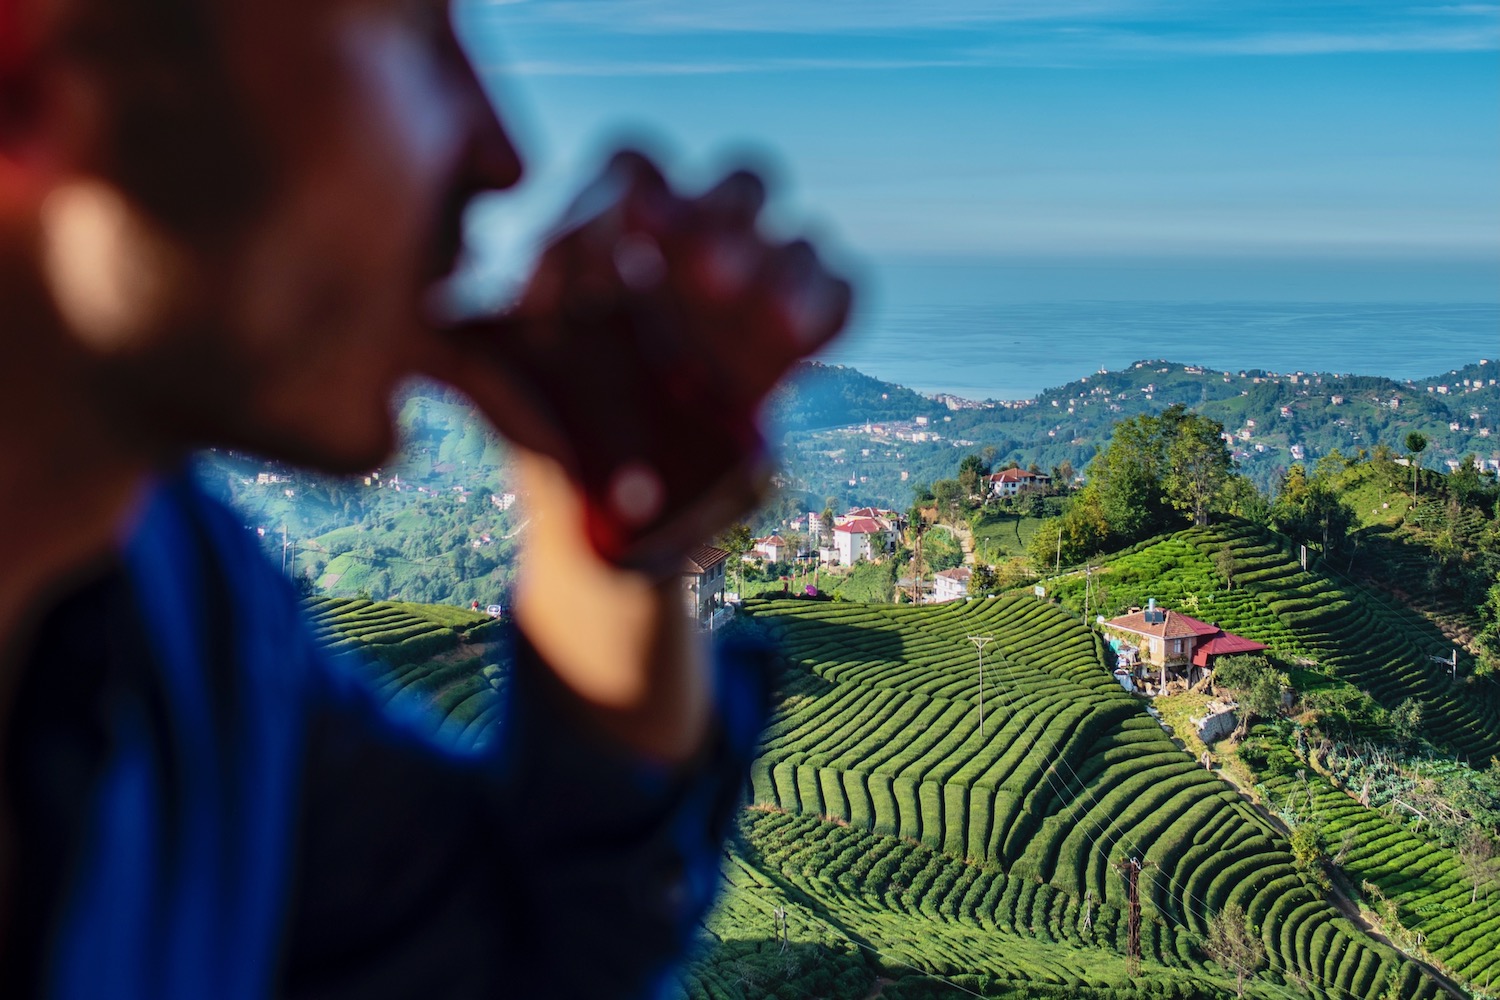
(980, 641)
(1088, 574)
(283, 548)
(1058, 570)
(1131, 869)
(916, 567)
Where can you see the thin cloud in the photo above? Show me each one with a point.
(1313, 43)
(800, 17)
(536, 68)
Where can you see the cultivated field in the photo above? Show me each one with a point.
(877, 742)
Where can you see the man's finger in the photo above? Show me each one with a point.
(735, 201)
(813, 304)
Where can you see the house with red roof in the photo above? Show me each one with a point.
(1009, 482)
(860, 538)
(1175, 642)
(772, 548)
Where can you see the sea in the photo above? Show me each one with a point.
(969, 331)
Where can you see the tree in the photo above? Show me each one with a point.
(1416, 443)
(1234, 944)
(736, 540)
(1198, 467)
(948, 493)
(1406, 721)
(1465, 484)
(971, 472)
(1256, 683)
(1157, 465)
(1310, 853)
(1311, 508)
(984, 580)
(1488, 639)
(1227, 565)
(1125, 480)
(1474, 854)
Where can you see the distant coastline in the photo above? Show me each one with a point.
(978, 351)
(953, 401)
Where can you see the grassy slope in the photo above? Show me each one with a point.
(1001, 536)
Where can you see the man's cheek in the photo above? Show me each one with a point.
(400, 99)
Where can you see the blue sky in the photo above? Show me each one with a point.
(1123, 133)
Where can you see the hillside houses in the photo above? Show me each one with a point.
(861, 533)
(861, 538)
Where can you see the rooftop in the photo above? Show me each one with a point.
(703, 558)
(1174, 625)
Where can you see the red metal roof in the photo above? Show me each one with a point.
(1223, 644)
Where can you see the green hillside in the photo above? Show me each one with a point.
(1317, 618)
(1268, 413)
(439, 662)
(877, 735)
(909, 856)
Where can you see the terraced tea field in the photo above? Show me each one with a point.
(431, 658)
(993, 847)
(1434, 907)
(911, 855)
(1353, 634)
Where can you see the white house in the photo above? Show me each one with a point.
(1009, 482)
(951, 584)
(880, 526)
(773, 548)
(860, 538)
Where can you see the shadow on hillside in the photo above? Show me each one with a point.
(760, 967)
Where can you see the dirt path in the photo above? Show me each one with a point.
(965, 536)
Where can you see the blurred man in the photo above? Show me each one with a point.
(223, 222)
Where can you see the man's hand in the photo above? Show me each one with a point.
(641, 351)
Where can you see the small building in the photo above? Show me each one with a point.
(1009, 482)
(951, 584)
(703, 581)
(1175, 643)
(773, 548)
